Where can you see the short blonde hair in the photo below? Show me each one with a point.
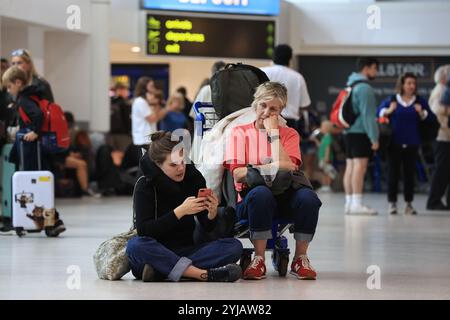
(174, 97)
(13, 74)
(268, 91)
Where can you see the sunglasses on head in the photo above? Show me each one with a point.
(19, 52)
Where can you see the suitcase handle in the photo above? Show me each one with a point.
(22, 157)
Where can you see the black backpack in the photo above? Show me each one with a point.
(233, 87)
(429, 128)
(342, 114)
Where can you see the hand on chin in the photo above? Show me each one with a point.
(270, 123)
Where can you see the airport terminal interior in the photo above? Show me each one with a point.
(350, 97)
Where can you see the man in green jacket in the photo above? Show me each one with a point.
(361, 139)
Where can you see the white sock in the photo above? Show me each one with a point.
(357, 199)
(348, 199)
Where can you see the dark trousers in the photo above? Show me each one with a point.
(441, 177)
(260, 206)
(401, 158)
(173, 263)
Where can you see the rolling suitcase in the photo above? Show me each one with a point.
(33, 199)
(8, 170)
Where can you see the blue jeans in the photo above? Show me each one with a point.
(173, 263)
(260, 206)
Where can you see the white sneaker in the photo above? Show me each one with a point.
(91, 193)
(347, 208)
(409, 209)
(392, 208)
(362, 210)
(324, 189)
(7, 232)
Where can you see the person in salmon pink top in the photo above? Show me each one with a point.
(268, 147)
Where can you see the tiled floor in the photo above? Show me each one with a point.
(412, 253)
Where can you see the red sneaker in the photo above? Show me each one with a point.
(256, 270)
(302, 269)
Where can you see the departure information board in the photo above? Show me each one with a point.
(209, 37)
(251, 7)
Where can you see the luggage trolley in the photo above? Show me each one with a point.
(205, 119)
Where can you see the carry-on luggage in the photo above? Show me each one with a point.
(8, 170)
(33, 198)
(233, 87)
(33, 201)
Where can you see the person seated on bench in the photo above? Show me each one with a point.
(166, 208)
(266, 146)
(76, 158)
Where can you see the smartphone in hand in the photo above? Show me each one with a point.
(203, 193)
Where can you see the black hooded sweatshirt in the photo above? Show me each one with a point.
(44, 87)
(166, 228)
(31, 108)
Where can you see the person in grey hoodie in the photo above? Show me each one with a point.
(361, 139)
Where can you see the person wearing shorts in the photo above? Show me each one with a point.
(357, 145)
(362, 137)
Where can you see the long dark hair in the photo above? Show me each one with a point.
(141, 87)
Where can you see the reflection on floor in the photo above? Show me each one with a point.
(411, 252)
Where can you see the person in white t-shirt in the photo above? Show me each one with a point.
(144, 117)
(298, 96)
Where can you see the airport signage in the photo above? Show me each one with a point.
(251, 7)
(209, 37)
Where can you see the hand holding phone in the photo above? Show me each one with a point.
(190, 206)
(211, 202)
(204, 193)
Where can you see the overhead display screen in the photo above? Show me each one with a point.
(252, 7)
(209, 37)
